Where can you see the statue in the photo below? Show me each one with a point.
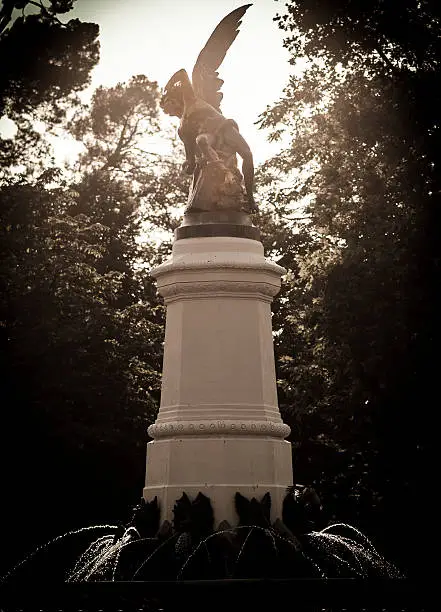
(211, 141)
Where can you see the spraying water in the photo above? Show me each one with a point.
(182, 551)
(323, 554)
(48, 555)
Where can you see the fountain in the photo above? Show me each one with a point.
(189, 548)
(219, 502)
(192, 550)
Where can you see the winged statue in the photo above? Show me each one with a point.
(211, 141)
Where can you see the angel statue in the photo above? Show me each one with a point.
(211, 141)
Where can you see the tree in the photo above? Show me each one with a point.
(358, 341)
(81, 320)
(55, 62)
(40, 80)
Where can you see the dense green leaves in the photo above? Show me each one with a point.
(349, 210)
(55, 61)
(81, 322)
(390, 37)
(357, 317)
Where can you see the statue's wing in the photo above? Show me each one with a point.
(206, 81)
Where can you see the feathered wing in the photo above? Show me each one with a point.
(206, 81)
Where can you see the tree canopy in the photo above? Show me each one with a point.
(55, 61)
(82, 326)
(349, 207)
(358, 316)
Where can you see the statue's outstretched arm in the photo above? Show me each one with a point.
(190, 160)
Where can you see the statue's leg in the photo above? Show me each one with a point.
(205, 143)
(234, 139)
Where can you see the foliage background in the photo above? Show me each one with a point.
(350, 207)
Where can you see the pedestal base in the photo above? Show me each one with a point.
(218, 468)
(219, 429)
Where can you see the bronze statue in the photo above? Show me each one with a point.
(211, 141)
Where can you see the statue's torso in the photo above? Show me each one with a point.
(200, 118)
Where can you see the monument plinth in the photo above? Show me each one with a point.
(219, 429)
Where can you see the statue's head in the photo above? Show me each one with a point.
(172, 102)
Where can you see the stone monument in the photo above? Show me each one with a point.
(218, 429)
(219, 501)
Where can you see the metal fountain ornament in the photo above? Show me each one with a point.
(219, 500)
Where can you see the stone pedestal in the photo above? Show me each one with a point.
(218, 429)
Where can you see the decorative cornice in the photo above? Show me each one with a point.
(215, 262)
(218, 288)
(177, 429)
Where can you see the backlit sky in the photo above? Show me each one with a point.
(158, 37)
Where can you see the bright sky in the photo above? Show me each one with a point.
(158, 37)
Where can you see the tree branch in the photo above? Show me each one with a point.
(5, 15)
(384, 57)
(45, 11)
(161, 155)
(112, 158)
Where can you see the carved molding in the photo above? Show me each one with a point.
(219, 412)
(222, 288)
(177, 429)
(218, 263)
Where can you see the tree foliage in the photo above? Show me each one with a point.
(82, 326)
(55, 61)
(358, 312)
(350, 213)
